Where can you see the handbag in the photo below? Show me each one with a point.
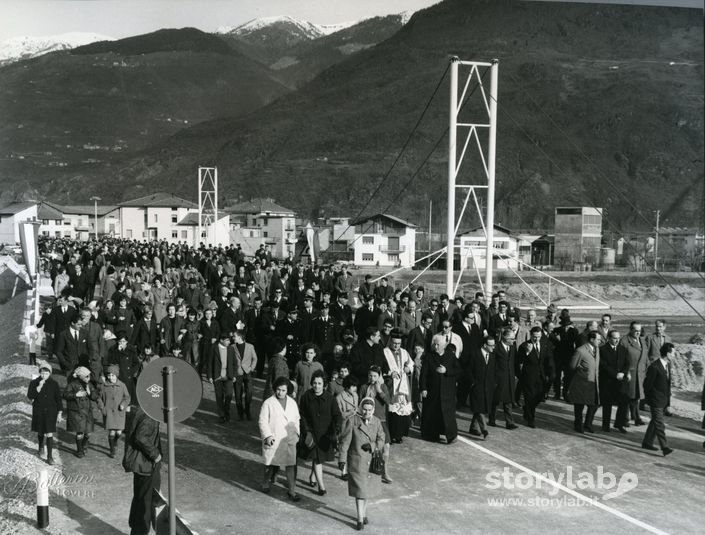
(377, 463)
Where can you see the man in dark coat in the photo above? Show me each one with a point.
(325, 332)
(341, 312)
(59, 319)
(471, 337)
(143, 455)
(505, 366)
(256, 332)
(583, 390)
(421, 335)
(368, 352)
(439, 373)
(366, 316)
(171, 330)
(614, 382)
(290, 330)
(657, 392)
(534, 371)
(146, 332)
(127, 361)
(482, 373)
(567, 336)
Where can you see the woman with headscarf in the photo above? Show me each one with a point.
(80, 394)
(320, 418)
(46, 408)
(279, 429)
(362, 435)
(115, 399)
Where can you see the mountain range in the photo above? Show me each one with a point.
(599, 105)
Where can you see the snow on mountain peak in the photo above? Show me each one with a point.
(25, 47)
(311, 30)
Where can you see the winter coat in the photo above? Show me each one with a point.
(583, 387)
(115, 398)
(79, 410)
(46, 405)
(356, 434)
(320, 416)
(142, 443)
(283, 425)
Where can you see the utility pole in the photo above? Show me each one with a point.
(658, 213)
(95, 200)
(430, 212)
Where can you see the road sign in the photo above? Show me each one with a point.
(151, 389)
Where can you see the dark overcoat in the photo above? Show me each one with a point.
(438, 414)
(613, 360)
(320, 416)
(505, 367)
(46, 405)
(79, 410)
(483, 380)
(533, 371)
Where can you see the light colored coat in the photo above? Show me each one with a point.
(283, 425)
(356, 433)
(114, 396)
(583, 388)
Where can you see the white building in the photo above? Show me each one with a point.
(384, 240)
(273, 224)
(473, 249)
(77, 222)
(11, 216)
(157, 217)
(218, 234)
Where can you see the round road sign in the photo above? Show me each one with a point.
(151, 389)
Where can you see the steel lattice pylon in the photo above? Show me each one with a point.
(207, 204)
(472, 132)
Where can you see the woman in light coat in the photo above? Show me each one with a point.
(348, 402)
(362, 435)
(279, 429)
(115, 399)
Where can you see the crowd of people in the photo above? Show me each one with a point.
(338, 384)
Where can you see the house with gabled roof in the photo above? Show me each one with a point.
(384, 240)
(11, 215)
(156, 217)
(78, 221)
(264, 220)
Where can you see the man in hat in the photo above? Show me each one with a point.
(341, 312)
(290, 330)
(307, 317)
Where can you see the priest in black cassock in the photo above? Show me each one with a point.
(439, 373)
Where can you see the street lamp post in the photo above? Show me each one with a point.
(95, 200)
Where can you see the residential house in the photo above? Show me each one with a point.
(216, 234)
(272, 223)
(77, 222)
(11, 215)
(473, 249)
(157, 217)
(384, 240)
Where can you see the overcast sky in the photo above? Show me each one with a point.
(121, 18)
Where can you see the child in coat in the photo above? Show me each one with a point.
(115, 399)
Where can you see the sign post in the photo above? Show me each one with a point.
(175, 400)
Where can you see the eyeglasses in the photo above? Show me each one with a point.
(446, 326)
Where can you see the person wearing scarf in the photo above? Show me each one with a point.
(362, 434)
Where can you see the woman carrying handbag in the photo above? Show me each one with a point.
(362, 435)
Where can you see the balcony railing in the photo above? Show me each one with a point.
(392, 250)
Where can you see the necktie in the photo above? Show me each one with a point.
(447, 338)
(538, 349)
(487, 358)
(75, 335)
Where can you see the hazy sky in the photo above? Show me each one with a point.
(121, 18)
